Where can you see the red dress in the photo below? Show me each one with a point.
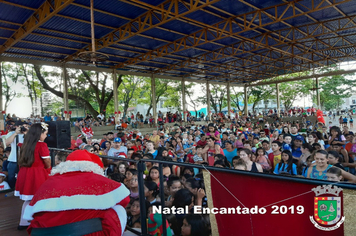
(29, 179)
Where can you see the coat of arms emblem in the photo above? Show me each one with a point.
(327, 208)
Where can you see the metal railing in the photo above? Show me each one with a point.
(141, 167)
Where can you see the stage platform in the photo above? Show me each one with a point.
(10, 216)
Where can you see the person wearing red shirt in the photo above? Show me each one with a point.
(202, 142)
(131, 145)
(103, 139)
(275, 156)
(210, 150)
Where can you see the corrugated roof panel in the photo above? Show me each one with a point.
(347, 8)
(116, 7)
(6, 33)
(11, 27)
(120, 45)
(301, 20)
(32, 3)
(2, 41)
(117, 59)
(14, 14)
(100, 18)
(74, 27)
(328, 13)
(27, 45)
(233, 7)
(192, 52)
(118, 52)
(153, 2)
(209, 46)
(204, 17)
(228, 41)
(164, 60)
(217, 12)
(163, 34)
(144, 42)
(225, 60)
(62, 35)
(55, 41)
(14, 55)
(33, 53)
(181, 27)
(151, 64)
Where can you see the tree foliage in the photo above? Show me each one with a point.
(129, 89)
(10, 74)
(164, 89)
(86, 88)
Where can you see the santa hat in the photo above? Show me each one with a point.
(80, 160)
(122, 155)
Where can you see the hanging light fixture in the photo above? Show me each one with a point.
(92, 56)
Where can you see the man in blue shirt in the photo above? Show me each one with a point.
(297, 144)
(47, 118)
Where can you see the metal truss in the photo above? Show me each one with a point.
(47, 10)
(231, 27)
(158, 15)
(294, 39)
(278, 71)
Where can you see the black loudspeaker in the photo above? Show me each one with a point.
(58, 134)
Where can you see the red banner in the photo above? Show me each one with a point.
(277, 206)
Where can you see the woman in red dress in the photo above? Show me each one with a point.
(35, 164)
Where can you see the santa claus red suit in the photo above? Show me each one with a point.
(78, 200)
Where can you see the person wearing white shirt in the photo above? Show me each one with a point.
(14, 138)
(117, 148)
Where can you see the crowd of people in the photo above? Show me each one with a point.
(298, 149)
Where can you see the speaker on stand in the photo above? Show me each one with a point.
(58, 134)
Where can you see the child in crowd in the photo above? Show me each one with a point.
(133, 186)
(287, 142)
(286, 164)
(3, 184)
(151, 191)
(194, 225)
(334, 174)
(213, 133)
(334, 159)
(262, 159)
(154, 175)
(275, 156)
(309, 161)
(239, 164)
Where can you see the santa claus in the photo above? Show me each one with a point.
(78, 200)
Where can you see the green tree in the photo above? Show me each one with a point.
(164, 88)
(130, 88)
(291, 91)
(217, 97)
(257, 94)
(10, 73)
(333, 89)
(191, 101)
(236, 97)
(88, 89)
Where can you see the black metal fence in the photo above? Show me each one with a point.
(141, 167)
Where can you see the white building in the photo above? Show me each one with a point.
(349, 102)
(262, 105)
(143, 108)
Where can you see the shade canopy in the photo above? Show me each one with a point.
(240, 41)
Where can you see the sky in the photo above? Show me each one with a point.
(22, 106)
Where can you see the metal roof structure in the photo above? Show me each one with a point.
(239, 41)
